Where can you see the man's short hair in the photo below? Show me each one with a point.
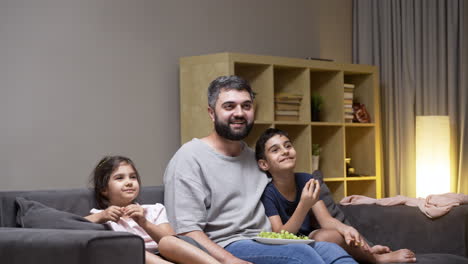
(262, 140)
(229, 83)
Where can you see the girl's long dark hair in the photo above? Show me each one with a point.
(101, 175)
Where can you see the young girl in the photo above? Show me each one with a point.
(291, 198)
(116, 188)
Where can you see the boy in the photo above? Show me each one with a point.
(290, 200)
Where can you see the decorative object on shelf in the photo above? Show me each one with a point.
(348, 102)
(350, 171)
(315, 156)
(316, 106)
(287, 106)
(360, 113)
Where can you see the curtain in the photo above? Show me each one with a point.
(421, 49)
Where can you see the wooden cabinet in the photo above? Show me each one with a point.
(270, 76)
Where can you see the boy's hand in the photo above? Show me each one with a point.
(136, 212)
(310, 193)
(353, 238)
(112, 213)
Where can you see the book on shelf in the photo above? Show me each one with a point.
(288, 102)
(286, 117)
(290, 107)
(348, 102)
(288, 96)
(347, 90)
(287, 113)
(287, 107)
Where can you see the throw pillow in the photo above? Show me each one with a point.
(327, 198)
(33, 214)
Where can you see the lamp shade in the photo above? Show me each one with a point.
(432, 155)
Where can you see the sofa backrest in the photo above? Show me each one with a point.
(77, 201)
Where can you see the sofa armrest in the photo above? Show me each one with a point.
(29, 245)
(407, 227)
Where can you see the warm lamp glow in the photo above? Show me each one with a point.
(432, 155)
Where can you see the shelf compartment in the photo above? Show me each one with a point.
(300, 137)
(360, 147)
(337, 189)
(366, 188)
(327, 124)
(361, 178)
(293, 80)
(331, 141)
(363, 91)
(328, 84)
(255, 133)
(260, 77)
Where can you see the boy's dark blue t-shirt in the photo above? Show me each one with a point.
(275, 203)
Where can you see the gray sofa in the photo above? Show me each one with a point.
(78, 242)
(442, 240)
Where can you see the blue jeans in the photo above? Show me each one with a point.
(317, 253)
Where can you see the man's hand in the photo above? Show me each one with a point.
(310, 193)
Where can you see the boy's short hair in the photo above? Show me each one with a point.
(262, 140)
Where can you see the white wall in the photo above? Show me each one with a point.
(83, 78)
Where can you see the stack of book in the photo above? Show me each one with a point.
(287, 106)
(348, 102)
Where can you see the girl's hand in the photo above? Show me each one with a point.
(353, 238)
(112, 213)
(136, 212)
(310, 193)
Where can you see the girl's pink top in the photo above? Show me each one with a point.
(155, 213)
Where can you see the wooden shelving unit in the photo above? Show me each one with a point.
(273, 75)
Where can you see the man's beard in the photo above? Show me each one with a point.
(225, 131)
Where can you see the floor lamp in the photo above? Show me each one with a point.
(432, 155)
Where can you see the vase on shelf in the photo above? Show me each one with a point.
(315, 163)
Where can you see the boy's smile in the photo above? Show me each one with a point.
(280, 155)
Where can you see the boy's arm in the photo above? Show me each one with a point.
(214, 249)
(326, 221)
(309, 197)
(293, 224)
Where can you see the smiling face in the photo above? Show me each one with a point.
(123, 187)
(233, 114)
(280, 155)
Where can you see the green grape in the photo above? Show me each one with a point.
(281, 235)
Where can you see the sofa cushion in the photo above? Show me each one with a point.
(33, 214)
